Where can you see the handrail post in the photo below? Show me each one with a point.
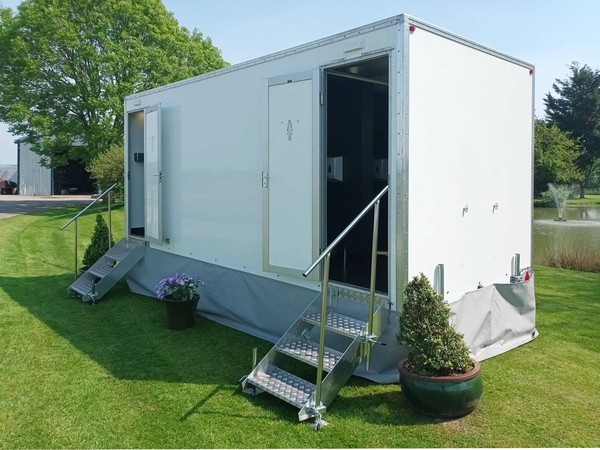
(373, 279)
(346, 230)
(322, 330)
(109, 221)
(76, 248)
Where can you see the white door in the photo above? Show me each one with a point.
(292, 175)
(152, 176)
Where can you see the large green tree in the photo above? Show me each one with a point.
(556, 156)
(575, 108)
(66, 66)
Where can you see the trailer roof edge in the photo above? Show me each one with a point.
(390, 21)
(281, 54)
(467, 42)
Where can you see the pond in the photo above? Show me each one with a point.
(579, 232)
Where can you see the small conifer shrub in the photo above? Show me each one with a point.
(99, 245)
(434, 347)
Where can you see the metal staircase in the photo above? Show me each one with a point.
(335, 333)
(346, 346)
(108, 270)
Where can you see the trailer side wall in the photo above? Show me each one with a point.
(470, 162)
(214, 150)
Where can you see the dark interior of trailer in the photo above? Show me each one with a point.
(357, 102)
(135, 173)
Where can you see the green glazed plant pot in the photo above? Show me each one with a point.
(181, 315)
(447, 397)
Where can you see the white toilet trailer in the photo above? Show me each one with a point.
(244, 175)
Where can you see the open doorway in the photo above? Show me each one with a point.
(72, 178)
(144, 174)
(356, 143)
(135, 174)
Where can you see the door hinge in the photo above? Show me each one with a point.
(321, 98)
(265, 180)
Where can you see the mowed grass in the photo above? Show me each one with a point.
(111, 375)
(588, 200)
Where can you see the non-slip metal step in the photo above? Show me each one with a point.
(283, 385)
(82, 286)
(101, 270)
(118, 252)
(336, 322)
(108, 270)
(308, 351)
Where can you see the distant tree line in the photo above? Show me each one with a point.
(567, 141)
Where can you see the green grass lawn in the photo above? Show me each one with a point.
(589, 200)
(111, 375)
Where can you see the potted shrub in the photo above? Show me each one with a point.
(99, 244)
(439, 378)
(180, 294)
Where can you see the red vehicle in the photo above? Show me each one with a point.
(8, 187)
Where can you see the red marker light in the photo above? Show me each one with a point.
(412, 28)
(530, 71)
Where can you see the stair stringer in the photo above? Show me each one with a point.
(108, 270)
(337, 378)
(120, 269)
(274, 354)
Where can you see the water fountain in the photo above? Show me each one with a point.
(557, 236)
(560, 194)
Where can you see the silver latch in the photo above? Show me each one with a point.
(366, 338)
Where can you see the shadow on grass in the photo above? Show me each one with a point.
(127, 334)
(281, 410)
(377, 404)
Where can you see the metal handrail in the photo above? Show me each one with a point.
(74, 219)
(88, 207)
(346, 230)
(326, 255)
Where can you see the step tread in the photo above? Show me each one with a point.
(340, 323)
(101, 270)
(283, 385)
(308, 351)
(118, 252)
(82, 286)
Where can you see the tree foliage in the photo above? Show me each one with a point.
(556, 156)
(66, 66)
(107, 168)
(576, 108)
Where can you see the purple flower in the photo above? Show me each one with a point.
(180, 287)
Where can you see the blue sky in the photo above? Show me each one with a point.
(547, 33)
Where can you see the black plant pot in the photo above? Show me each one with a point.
(181, 315)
